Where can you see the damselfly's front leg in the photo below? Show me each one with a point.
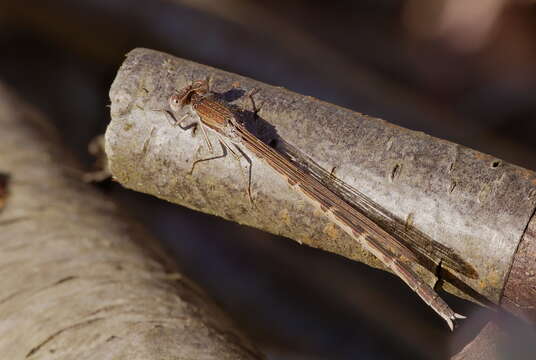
(194, 126)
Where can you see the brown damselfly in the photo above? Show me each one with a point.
(218, 116)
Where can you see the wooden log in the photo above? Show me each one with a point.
(78, 279)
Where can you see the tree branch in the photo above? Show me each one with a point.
(466, 205)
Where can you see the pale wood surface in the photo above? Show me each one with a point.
(470, 202)
(80, 281)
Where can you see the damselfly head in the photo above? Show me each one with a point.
(181, 98)
(176, 102)
(184, 96)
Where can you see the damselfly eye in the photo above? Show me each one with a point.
(174, 102)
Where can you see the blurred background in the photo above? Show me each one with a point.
(460, 70)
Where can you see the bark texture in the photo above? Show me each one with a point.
(520, 290)
(472, 204)
(77, 279)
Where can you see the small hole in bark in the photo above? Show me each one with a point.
(453, 186)
(395, 172)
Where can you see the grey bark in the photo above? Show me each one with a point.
(80, 281)
(485, 346)
(471, 203)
